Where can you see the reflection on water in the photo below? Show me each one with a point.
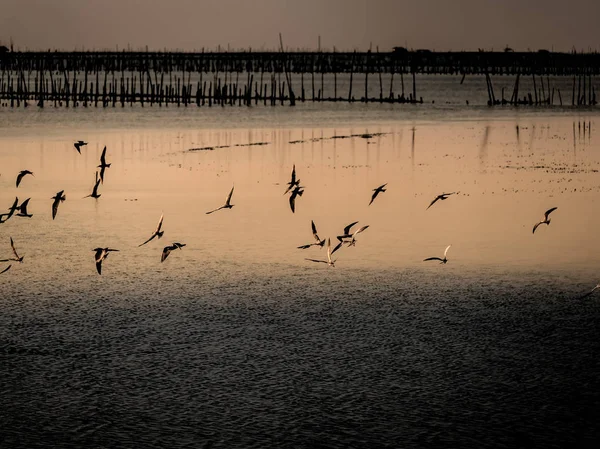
(238, 341)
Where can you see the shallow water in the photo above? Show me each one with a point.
(238, 341)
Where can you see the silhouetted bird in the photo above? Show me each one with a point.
(95, 193)
(21, 174)
(103, 165)
(100, 255)
(167, 250)
(23, 209)
(442, 197)
(444, 260)
(376, 192)
(293, 181)
(157, 232)
(319, 242)
(227, 204)
(78, 145)
(58, 198)
(546, 220)
(346, 234)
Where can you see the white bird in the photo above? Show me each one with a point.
(100, 255)
(444, 260)
(329, 262)
(78, 145)
(227, 204)
(167, 250)
(319, 242)
(157, 233)
(546, 220)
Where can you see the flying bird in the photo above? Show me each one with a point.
(21, 174)
(227, 204)
(546, 220)
(157, 233)
(293, 181)
(23, 209)
(103, 165)
(100, 255)
(352, 242)
(298, 191)
(590, 292)
(14, 250)
(167, 250)
(376, 192)
(95, 193)
(329, 262)
(58, 198)
(319, 242)
(442, 197)
(6, 269)
(346, 234)
(444, 260)
(78, 145)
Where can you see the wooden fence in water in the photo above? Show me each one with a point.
(208, 78)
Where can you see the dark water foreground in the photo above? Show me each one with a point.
(307, 358)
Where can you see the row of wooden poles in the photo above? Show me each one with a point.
(110, 89)
(401, 61)
(583, 92)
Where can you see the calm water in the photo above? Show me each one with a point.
(238, 341)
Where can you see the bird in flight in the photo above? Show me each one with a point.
(58, 198)
(297, 191)
(167, 250)
(352, 241)
(319, 242)
(103, 165)
(21, 174)
(329, 261)
(546, 219)
(100, 255)
(11, 211)
(157, 233)
(227, 204)
(78, 145)
(95, 193)
(442, 197)
(444, 260)
(376, 192)
(346, 234)
(293, 181)
(590, 292)
(14, 250)
(23, 209)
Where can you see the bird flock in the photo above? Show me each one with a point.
(348, 237)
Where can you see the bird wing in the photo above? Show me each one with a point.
(347, 228)
(55, 206)
(6, 269)
(19, 177)
(447, 248)
(316, 260)
(359, 230)
(102, 174)
(433, 258)
(433, 202)
(159, 224)
(293, 202)
(77, 147)
(549, 211)
(166, 251)
(338, 246)
(293, 180)
(151, 237)
(103, 156)
(227, 201)
(14, 250)
(536, 226)
(305, 246)
(99, 266)
(23, 206)
(214, 210)
(375, 193)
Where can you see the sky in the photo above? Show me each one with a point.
(344, 24)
